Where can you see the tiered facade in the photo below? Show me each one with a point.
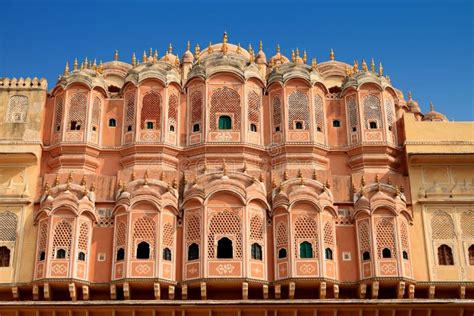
(224, 175)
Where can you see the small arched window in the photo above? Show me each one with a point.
(256, 251)
(306, 250)
(193, 251)
(129, 128)
(386, 253)
(149, 125)
(225, 249)
(253, 127)
(373, 125)
(282, 253)
(366, 255)
(60, 254)
(328, 253)
(225, 122)
(81, 256)
(405, 255)
(171, 128)
(4, 257)
(471, 255)
(299, 125)
(196, 128)
(445, 256)
(42, 256)
(112, 122)
(336, 123)
(143, 250)
(167, 254)
(120, 254)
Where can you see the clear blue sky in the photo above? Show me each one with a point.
(425, 46)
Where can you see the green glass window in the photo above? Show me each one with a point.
(256, 251)
(306, 250)
(225, 122)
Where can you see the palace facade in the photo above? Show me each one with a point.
(223, 182)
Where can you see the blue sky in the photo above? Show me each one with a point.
(425, 46)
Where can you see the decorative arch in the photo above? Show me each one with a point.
(442, 226)
(225, 101)
(17, 109)
(306, 230)
(385, 237)
(225, 224)
(8, 227)
(62, 238)
(144, 229)
(151, 111)
(372, 112)
(298, 110)
(77, 111)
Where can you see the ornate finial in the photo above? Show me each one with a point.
(364, 66)
(224, 47)
(327, 185)
(260, 46)
(260, 177)
(170, 49)
(120, 185)
(409, 95)
(100, 69)
(299, 174)
(161, 176)
(348, 71)
(224, 38)
(389, 181)
(301, 181)
(151, 53)
(355, 67)
(134, 59)
(174, 184)
(304, 56)
(46, 187)
(75, 64)
(315, 175)
(245, 167)
(252, 55)
(431, 106)
(293, 57)
(69, 178)
(239, 49)
(314, 64)
(94, 65)
(116, 55)
(331, 54)
(82, 66)
(402, 189)
(83, 180)
(155, 56)
(280, 187)
(197, 51)
(56, 181)
(86, 62)
(377, 178)
(188, 45)
(66, 69)
(177, 62)
(362, 181)
(209, 48)
(397, 190)
(285, 175)
(133, 176)
(274, 184)
(145, 177)
(297, 52)
(278, 49)
(92, 187)
(380, 69)
(372, 65)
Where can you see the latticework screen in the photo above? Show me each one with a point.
(8, 225)
(144, 230)
(467, 224)
(372, 111)
(77, 108)
(364, 236)
(193, 229)
(442, 226)
(196, 108)
(58, 113)
(254, 108)
(121, 233)
(276, 103)
(306, 229)
(229, 224)
(319, 112)
(389, 109)
(83, 241)
(225, 101)
(385, 236)
(129, 110)
(173, 109)
(43, 236)
(151, 110)
(404, 237)
(17, 109)
(62, 238)
(298, 109)
(256, 228)
(352, 111)
(95, 116)
(168, 235)
(281, 234)
(329, 238)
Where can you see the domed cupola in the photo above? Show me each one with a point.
(277, 59)
(432, 115)
(188, 56)
(260, 58)
(412, 104)
(296, 57)
(170, 58)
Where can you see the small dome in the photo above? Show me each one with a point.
(261, 58)
(278, 58)
(432, 115)
(412, 104)
(188, 57)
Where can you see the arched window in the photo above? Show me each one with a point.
(298, 125)
(282, 253)
(129, 128)
(306, 250)
(225, 122)
(81, 256)
(167, 254)
(143, 250)
(196, 128)
(112, 122)
(120, 254)
(366, 256)
(471, 255)
(17, 109)
(256, 251)
(224, 248)
(193, 251)
(373, 125)
(386, 253)
(253, 127)
(149, 125)
(405, 255)
(42, 256)
(60, 254)
(445, 256)
(171, 128)
(336, 123)
(328, 253)
(77, 111)
(4, 257)
(151, 111)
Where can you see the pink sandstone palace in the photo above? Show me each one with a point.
(227, 182)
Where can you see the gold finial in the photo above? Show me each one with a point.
(209, 48)
(380, 69)
(94, 65)
(355, 67)
(297, 52)
(293, 57)
(389, 181)
(331, 54)
(252, 55)
(116, 55)
(377, 178)
(239, 49)
(174, 184)
(285, 175)
(274, 184)
(314, 64)
(101, 67)
(92, 187)
(224, 38)
(83, 180)
(260, 177)
(56, 181)
(82, 65)
(46, 186)
(409, 95)
(300, 174)
(133, 176)
(170, 49)
(155, 56)
(144, 57)
(278, 49)
(197, 51)
(86, 62)
(66, 69)
(372, 65)
(260, 46)
(315, 175)
(134, 59)
(188, 45)
(431, 106)
(348, 71)
(362, 181)
(176, 61)
(304, 56)
(69, 178)
(75, 64)
(145, 177)
(327, 185)
(397, 190)
(364, 65)
(151, 53)
(224, 47)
